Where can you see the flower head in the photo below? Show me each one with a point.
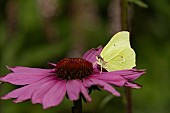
(70, 76)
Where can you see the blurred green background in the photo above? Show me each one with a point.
(35, 32)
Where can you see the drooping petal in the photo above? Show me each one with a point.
(132, 85)
(23, 78)
(55, 95)
(25, 93)
(133, 75)
(93, 81)
(85, 93)
(20, 69)
(39, 93)
(111, 78)
(121, 77)
(74, 87)
(91, 54)
(126, 71)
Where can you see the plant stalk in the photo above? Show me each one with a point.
(124, 26)
(77, 108)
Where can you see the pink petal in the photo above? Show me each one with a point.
(111, 78)
(23, 78)
(91, 54)
(20, 69)
(52, 64)
(25, 93)
(134, 74)
(85, 93)
(89, 82)
(132, 85)
(74, 87)
(38, 95)
(55, 95)
(92, 81)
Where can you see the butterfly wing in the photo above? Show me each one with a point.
(124, 60)
(118, 53)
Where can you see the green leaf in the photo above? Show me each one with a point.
(139, 3)
(105, 101)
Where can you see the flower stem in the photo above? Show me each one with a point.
(77, 108)
(124, 26)
(128, 100)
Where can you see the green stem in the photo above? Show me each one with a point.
(124, 26)
(77, 108)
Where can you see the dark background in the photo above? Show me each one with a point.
(35, 32)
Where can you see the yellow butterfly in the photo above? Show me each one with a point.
(117, 54)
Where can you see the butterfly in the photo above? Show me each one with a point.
(117, 54)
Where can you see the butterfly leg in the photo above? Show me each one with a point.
(100, 69)
(94, 63)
